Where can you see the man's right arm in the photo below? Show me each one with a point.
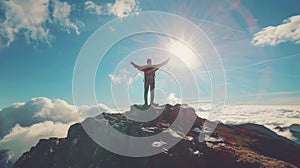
(137, 66)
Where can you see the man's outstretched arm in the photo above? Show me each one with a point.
(137, 66)
(163, 63)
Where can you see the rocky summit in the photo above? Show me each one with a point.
(247, 145)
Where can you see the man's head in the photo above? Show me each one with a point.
(149, 61)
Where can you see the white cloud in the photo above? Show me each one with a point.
(289, 30)
(85, 111)
(131, 79)
(287, 133)
(57, 110)
(173, 99)
(93, 8)
(31, 19)
(122, 8)
(116, 79)
(129, 76)
(27, 17)
(112, 29)
(34, 111)
(43, 109)
(21, 139)
(61, 14)
(125, 76)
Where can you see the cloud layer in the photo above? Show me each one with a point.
(267, 115)
(289, 30)
(34, 19)
(22, 125)
(34, 111)
(21, 139)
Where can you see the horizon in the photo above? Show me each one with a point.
(167, 102)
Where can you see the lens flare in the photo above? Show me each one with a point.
(184, 52)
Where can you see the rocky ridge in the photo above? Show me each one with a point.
(228, 146)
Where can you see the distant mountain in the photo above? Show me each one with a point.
(265, 130)
(242, 146)
(294, 129)
(4, 159)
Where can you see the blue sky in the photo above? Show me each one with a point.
(41, 39)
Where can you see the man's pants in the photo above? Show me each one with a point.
(146, 89)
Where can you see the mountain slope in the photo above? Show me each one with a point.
(228, 146)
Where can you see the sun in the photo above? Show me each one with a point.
(185, 53)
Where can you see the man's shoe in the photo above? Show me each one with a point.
(154, 104)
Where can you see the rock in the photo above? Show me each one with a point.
(280, 129)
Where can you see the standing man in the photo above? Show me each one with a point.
(149, 77)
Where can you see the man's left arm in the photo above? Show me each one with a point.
(163, 63)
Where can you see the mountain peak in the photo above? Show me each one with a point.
(228, 146)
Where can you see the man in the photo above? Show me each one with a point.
(149, 77)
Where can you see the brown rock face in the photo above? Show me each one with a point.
(243, 146)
